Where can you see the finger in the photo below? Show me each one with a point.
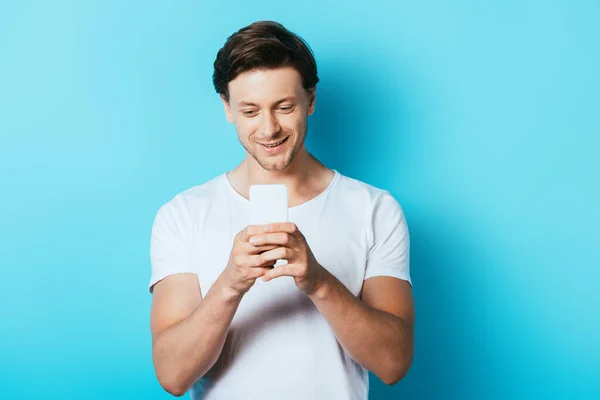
(251, 230)
(288, 227)
(258, 272)
(284, 270)
(280, 253)
(261, 249)
(258, 261)
(280, 238)
(248, 260)
(246, 248)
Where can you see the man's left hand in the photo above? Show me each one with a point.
(308, 274)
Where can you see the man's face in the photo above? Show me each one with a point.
(268, 107)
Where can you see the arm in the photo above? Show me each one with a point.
(377, 332)
(188, 332)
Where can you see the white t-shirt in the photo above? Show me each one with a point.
(279, 346)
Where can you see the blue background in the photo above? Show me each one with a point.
(481, 119)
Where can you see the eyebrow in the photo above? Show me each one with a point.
(248, 103)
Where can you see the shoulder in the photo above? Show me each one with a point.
(186, 204)
(370, 197)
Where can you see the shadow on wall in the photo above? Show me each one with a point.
(367, 126)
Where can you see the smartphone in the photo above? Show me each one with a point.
(269, 204)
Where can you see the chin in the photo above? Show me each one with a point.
(275, 163)
(279, 164)
(273, 166)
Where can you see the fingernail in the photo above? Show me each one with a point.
(253, 239)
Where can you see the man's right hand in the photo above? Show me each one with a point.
(188, 330)
(244, 265)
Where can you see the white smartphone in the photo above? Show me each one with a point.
(269, 204)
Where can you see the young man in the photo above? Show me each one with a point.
(224, 321)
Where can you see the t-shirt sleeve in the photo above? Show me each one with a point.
(389, 253)
(170, 242)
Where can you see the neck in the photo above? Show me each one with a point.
(304, 177)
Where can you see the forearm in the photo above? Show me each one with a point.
(184, 352)
(377, 340)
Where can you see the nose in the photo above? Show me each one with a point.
(269, 125)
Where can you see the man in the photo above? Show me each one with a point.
(310, 329)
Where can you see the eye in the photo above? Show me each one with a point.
(286, 108)
(249, 113)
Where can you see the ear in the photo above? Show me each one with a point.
(227, 108)
(312, 98)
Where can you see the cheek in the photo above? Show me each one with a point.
(293, 121)
(245, 127)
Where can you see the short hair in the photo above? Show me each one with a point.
(263, 45)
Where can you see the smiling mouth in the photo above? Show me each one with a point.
(273, 145)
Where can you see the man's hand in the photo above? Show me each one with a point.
(289, 244)
(245, 262)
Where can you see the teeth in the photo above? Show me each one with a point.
(274, 145)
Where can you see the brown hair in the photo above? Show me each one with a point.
(263, 45)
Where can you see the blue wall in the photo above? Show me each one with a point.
(482, 120)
